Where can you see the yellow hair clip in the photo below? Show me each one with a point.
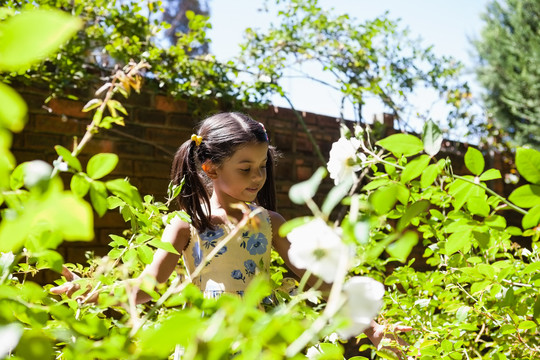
(197, 139)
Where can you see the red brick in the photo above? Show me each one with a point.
(41, 141)
(56, 124)
(151, 116)
(168, 104)
(152, 168)
(173, 138)
(68, 108)
(303, 173)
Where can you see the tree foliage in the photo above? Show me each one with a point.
(509, 51)
(361, 60)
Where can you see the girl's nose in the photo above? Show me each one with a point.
(258, 174)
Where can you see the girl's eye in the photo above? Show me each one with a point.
(245, 170)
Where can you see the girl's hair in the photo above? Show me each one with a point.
(222, 134)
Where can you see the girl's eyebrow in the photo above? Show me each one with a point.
(250, 161)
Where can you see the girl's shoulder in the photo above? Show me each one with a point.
(276, 219)
(178, 233)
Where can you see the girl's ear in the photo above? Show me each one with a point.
(210, 169)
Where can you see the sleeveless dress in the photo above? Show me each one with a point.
(232, 268)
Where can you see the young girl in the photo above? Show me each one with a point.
(228, 161)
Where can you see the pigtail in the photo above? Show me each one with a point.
(193, 197)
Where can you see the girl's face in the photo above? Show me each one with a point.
(241, 176)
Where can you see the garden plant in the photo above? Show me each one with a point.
(478, 299)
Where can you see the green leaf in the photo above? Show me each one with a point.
(536, 308)
(163, 246)
(477, 205)
(16, 180)
(474, 161)
(336, 194)
(384, 199)
(98, 197)
(532, 218)
(127, 192)
(412, 211)
(401, 248)
(528, 164)
(457, 241)
(33, 35)
(496, 222)
(526, 196)
(101, 164)
(429, 175)
(79, 185)
(145, 254)
(490, 174)
(304, 191)
(13, 109)
(462, 190)
(402, 144)
(432, 138)
(71, 160)
(527, 324)
(414, 168)
(74, 217)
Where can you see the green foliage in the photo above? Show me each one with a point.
(478, 297)
(507, 72)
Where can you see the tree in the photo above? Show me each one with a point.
(509, 53)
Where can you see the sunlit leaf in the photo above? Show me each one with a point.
(33, 35)
(528, 164)
(101, 165)
(13, 109)
(526, 196)
(474, 161)
(402, 144)
(71, 160)
(414, 168)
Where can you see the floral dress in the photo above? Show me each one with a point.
(232, 268)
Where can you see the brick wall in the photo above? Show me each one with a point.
(157, 125)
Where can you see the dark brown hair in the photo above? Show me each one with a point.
(222, 134)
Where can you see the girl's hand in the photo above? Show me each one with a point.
(69, 288)
(378, 333)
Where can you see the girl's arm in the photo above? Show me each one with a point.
(177, 233)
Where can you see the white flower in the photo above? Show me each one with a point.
(364, 299)
(36, 171)
(344, 159)
(315, 246)
(10, 335)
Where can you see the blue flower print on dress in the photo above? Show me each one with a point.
(197, 254)
(250, 267)
(209, 237)
(221, 251)
(237, 275)
(257, 244)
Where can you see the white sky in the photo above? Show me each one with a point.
(447, 25)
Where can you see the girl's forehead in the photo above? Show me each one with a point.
(252, 152)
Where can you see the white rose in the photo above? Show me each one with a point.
(364, 300)
(343, 161)
(317, 247)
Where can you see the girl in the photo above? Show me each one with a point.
(228, 161)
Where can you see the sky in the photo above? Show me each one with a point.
(446, 25)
